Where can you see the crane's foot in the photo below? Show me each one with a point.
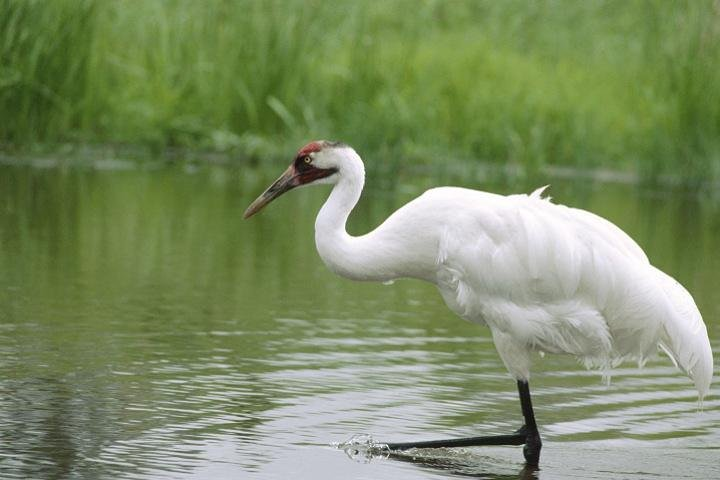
(533, 444)
(528, 437)
(517, 438)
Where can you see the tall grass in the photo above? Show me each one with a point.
(621, 84)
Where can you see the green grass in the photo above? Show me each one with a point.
(612, 84)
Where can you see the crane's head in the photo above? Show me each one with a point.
(317, 162)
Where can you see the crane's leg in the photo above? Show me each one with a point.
(527, 435)
(533, 444)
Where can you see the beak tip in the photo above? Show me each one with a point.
(280, 186)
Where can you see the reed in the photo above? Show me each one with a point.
(619, 84)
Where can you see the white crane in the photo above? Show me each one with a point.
(543, 277)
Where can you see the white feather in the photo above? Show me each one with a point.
(543, 277)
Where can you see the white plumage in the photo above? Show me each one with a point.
(543, 277)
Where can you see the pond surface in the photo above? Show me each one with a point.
(147, 331)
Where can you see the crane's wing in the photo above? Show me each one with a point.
(549, 277)
(684, 337)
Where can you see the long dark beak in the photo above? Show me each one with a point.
(287, 181)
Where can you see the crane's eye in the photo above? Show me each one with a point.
(308, 159)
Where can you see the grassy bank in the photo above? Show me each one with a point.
(622, 84)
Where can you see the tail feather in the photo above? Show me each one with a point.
(685, 337)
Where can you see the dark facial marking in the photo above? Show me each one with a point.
(306, 172)
(302, 164)
(315, 174)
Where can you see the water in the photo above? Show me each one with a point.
(147, 331)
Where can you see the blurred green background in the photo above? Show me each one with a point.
(627, 85)
(147, 331)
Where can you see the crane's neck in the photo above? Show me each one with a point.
(379, 255)
(330, 222)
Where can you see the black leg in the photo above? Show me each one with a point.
(517, 438)
(533, 444)
(528, 434)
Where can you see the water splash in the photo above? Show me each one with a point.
(363, 448)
